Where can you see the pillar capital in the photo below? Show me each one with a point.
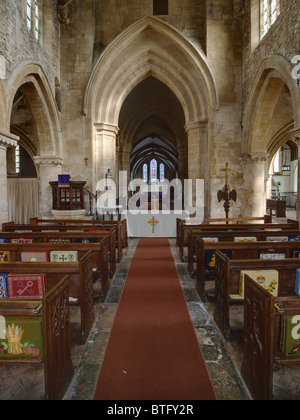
(48, 160)
(256, 157)
(196, 126)
(106, 127)
(8, 140)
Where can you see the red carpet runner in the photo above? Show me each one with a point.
(153, 352)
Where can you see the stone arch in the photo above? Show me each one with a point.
(266, 126)
(274, 74)
(149, 48)
(33, 83)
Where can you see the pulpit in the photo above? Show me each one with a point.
(69, 197)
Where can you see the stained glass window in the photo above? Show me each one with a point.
(161, 172)
(153, 170)
(145, 172)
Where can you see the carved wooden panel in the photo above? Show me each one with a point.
(257, 367)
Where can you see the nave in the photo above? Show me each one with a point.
(25, 382)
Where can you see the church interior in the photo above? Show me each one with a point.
(125, 122)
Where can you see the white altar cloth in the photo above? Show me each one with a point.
(142, 225)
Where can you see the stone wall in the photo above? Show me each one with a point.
(18, 44)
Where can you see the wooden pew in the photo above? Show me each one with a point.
(279, 206)
(227, 281)
(80, 283)
(99, 254)
(263, 330)
(228, 236)
(54, 307)
(121, 224)
(240, 251)
(116, 229)
(48, 236)
(183, 229)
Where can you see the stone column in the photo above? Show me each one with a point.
(198, 159)
(49, 167)
(295, 135)
(106, 135)
(254, 200)
(6, 140)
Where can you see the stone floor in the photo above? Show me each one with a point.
(25, 382)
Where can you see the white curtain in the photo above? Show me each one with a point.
(23, 199)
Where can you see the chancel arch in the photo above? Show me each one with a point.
(149, 49)
(268, 122)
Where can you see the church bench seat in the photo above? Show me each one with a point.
(121, 224)
(100, 251)
(48, 319)
(80, 283)
(183, 230)
(259, 235)
(72, 237)
(227, 283)
(236, 251)
(268, 337)
(55, 225)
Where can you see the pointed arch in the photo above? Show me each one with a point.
(31, 80)
(274, 74)
(3, 107)
(150, 47)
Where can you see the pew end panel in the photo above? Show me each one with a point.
(53, 310)
(264, 337)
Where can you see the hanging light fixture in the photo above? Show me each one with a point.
(286, 168)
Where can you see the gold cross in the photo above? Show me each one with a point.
(227, 170)
(153, 222)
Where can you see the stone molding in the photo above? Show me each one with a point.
(48, 160)
(295, 135)
(8, 140)
(253, 158)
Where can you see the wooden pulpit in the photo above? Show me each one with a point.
(68, 197)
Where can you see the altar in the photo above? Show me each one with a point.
(153, 224)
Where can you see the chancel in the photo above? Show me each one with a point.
(119, 122)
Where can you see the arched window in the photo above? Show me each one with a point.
(32, 17)
(153, 170)
(269, 11)
(28, 15)
(145, 172)
(161, 172)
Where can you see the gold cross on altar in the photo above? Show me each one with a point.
(153, 222)
(227, 170)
